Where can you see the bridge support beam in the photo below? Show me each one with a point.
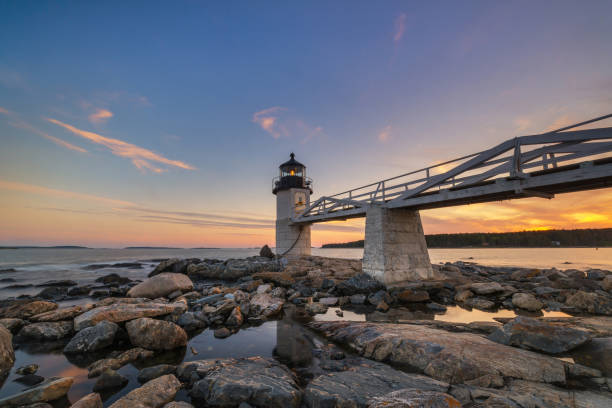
(292, 240)
(395, 249)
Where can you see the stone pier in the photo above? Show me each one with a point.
(395, 249)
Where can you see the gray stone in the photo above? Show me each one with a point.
(486, 288)
(532, 334)
(355, 387)
(121, 312)
(45, 331)
(92, 338)
(261, 382)
(264, 305)
(480, 303)
(153, 394)
(408, 398)
(526, 301)
(358, 299)
(329, 301)
(361, 283)
(49, 390)
(377, 297)
(149, 373)
(161, 285)
(155, 334)
(191, 321)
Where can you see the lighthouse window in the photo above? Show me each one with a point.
(292, 172)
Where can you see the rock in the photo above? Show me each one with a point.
(48, 390)
(191, 321)
(11, 324)
(53, 292)
(358, 299)
(222, 333)
(596, 354)
(532, 394)
(380, 296)
(30, 379)
(7, 354)
(113, 278)
(382, 306)
(161, 285)
(532, 334)
(121, 312)
(64, 313)
(110, 379)
(362, 283)
(447, 356)
(27, 309)
(414, 398)
(526, 301)
(45, 331)
(590, 302)
(261, 382)
(153, 394)
(173, 265)
(413, 295)
(266, 252)
(355, 387)
(264, 305)
(278, 278)
(329, 301)
(486, 288)
(155, 334)
(29, 369)
(235, 319)
(480, 303)
(315, 308)
(92, 400)
(115, 363)
(606, 283)
(264, 288)
(58, 283)
(150, 373)
(92, 338)
(181, 404)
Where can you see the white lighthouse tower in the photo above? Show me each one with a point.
(293, 190)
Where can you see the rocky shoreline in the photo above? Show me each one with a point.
(399, 357)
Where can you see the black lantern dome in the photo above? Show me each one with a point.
(292, 175)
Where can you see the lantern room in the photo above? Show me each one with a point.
(292, 175)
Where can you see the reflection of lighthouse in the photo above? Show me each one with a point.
(293, 344)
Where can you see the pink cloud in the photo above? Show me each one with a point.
(268, 120)
(100, 115)
(384, 134)
(56, 140)
(400, 27)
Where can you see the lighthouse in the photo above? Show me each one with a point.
(292, 189)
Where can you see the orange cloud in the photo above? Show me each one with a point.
(268, 120)
(141, 158)
(57, 141)
(400, 27)
(100, 115)
(385, 134)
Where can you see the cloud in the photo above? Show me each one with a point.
(142, 158)
(100, 115)
(384, 134)
(4, 111)
(268, 120)
(400, 28)
(57, 141)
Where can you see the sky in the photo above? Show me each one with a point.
(163, 123)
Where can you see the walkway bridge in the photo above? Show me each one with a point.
(560, 161)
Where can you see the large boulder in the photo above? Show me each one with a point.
(266, 252)
(153, 394)
(261, 382)
(409, 397)
(122, 312)
(7, 355)
(92, 338)
(161, 285)
(48, 390)
(591, 302)
(45, 331)
(526, 301)
(155, 334)
(532, 334)
(24, 309)
(12, 324)
(355, 387)
(265, 305)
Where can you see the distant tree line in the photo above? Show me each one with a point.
(548, 238)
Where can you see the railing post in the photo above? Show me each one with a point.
(516, 159)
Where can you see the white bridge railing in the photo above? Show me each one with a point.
(518, 158)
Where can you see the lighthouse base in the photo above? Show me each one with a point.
(292, 240)
(395, 250)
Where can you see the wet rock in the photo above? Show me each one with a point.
(161, 285)
(526, 301)
(110, 379)
(261, 382)
(380, 296)
(532, 334)
(235, 319)
(362, 283)
(150, 373)
(113, 278)
(315, 308)
(92, 400)
(26, 309)
(7, 355)
(92, 338)
(115, 363)
(597, 354)
(121, 312)
(64, 313)
(480, 303)
(49, 390)
(79, 290)
(264, 305)
(414, 398)
(447, 356)
(155, 334)
(45, 331)
(222, 333)
(191, 321)
(53, 292)
(486, 288)
(355, 387)
(590, 302)
(358, 299)
(266, 252)
(413, 295)
(183, 404)
(29, 369)
(11, 324)
(30, 379)
(153, 394)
